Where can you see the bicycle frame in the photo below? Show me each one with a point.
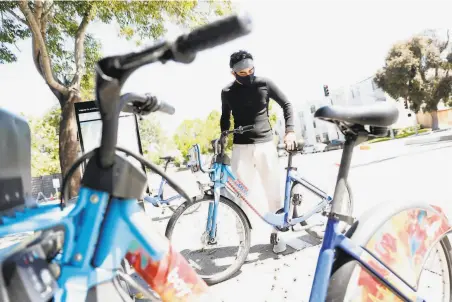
(222, 177)
(158, 199)
(99, 232)
(378, 265)
(376, 270)
(376, 238)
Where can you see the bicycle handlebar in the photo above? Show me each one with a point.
(239, 130)
(144, 104)
(112, 72)
(212, 35)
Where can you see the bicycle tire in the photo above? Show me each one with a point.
(342, 228)
(344, 265)
(233, 269)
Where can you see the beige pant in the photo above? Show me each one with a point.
(257, 166)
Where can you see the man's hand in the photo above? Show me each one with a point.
(289, 140)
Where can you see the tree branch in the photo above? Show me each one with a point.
(17, 16)
(38, 10)
(40, 44)
(79, 48)
(49, 9)
(44, 17)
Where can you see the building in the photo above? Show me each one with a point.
(365, 92)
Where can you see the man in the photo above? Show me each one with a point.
(254, 152)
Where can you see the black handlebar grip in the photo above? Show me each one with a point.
(247, 128)
(165, 107)
(214, 34)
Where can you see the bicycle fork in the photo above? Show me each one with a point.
(211, 226)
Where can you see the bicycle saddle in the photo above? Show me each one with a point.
(380, 114)
(168, 158)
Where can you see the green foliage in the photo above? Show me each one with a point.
(418, 70)
(401, 134)
(273, 117)
(153, 140)
(11, 31)
(60, 22)
(44, 143)
(202, 132)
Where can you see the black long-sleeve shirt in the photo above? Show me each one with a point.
(249, 106)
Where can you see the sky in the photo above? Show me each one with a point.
(300, 45)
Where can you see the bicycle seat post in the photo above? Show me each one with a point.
(352, 138)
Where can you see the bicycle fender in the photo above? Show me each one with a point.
(401, 236)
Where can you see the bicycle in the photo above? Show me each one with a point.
(78, 249)
(158, 200)
(382, 255)
(284, 219)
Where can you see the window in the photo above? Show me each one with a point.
(313, 123)
(374, 86)
(317, 138)
(353, 95)
(312, 109)
(325, 137)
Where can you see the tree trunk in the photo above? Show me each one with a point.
(69, 146)
(434, 115)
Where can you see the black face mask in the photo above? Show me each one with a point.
(245, 80)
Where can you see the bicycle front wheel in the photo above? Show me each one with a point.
(189, 236)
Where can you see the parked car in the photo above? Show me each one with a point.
(317, 147)
(308, 149)
(335, 144)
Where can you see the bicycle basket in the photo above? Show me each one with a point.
(194, 158)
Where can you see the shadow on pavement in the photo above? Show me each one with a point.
(212, 262)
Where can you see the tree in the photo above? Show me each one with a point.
(418, 70)
(44, 143)
(273, 117)
(187, 134)
(53, 24)
(153, 140)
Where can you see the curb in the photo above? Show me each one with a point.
(429, 140)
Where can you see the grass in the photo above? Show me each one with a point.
(403, 133)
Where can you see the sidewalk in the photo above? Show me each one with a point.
(434, 136)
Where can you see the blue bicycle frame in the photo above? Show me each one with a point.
(369, 258)
(158, 199)
(99, 231)
(222, 177)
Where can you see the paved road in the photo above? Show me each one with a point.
(388, 171)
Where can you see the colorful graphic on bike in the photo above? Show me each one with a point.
(241, 191)
(402, 243)
(172, 278)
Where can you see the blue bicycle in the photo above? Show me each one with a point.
(384, 256)
(223, 180)
(158, 200)
(78, 248)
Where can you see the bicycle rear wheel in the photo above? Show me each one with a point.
(343, 284)
(217, 264)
